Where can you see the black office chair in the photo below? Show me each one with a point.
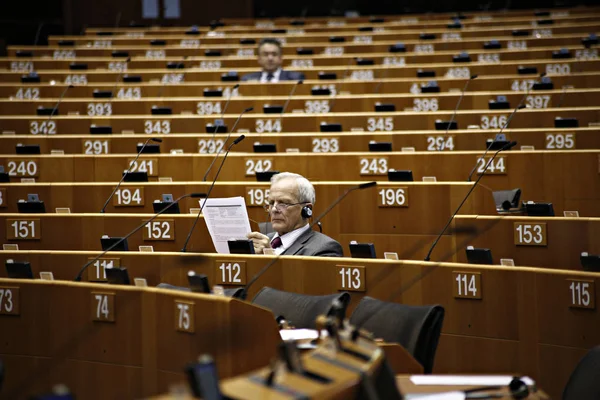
(233, 292)
(584, 382)
(417, 328)
(300, 310)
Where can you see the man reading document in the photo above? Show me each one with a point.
(289, 205)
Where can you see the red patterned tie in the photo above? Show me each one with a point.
(275, 243)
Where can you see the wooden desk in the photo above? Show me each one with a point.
(515, 325)
(567, 178)
(506, 83)
(307, 104)
(62, 332)
(549, 242)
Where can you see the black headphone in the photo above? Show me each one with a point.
(517, 390)
(306, 212)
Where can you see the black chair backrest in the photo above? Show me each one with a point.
(417, 328)
(584, 382)
(300, 310)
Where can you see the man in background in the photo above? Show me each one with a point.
(270, 59)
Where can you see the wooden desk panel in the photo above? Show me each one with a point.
(566, 239)
(259, 123)
(445, 67)
(506, 83)
(308, 104)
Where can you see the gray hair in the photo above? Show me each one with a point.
(306, 191)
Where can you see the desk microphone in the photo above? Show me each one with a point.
(236, 141)
(123, 69)
(318, 219)
(505, 147)
(60, 99)
(462, 94)
(192, 195)
(129, 170)
(228, 136)
(519, 106)
(225, 109)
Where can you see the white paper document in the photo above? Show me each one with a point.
(466, 380)
(226, 219)
(456, 395)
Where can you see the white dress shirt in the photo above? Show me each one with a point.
(289, 238)
(263, 76)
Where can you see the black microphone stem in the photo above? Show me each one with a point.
(462, 94)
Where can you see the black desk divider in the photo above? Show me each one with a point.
(158, 42)
(102, 94)
(31, 78)
(158, 206)
(495, 144)
(230, 76)
(18, 269)
(590, 262)
(192, 32)
(297, 22)
(120, 54)
(304, 52)
(330, 127)
(46, 111)
(376, 20)
(365, 29)
(101, 129)
(337, 39)
(327, 76)
(78, 66)
(400, 175)
(212, 93)
(175, 65)
(499, 104)
(461, 58)
(27, 149)
(31, 207)
(397, 48)
(561, 54)
(265, 176)
(522, 70)
(479, 256)
(535, 209)
(362, 250)
(320, 91)
(24, 53)
(454, 25)
(427, 36)
(545, 22)
(272, 109)
(443, 125)
(135, 176)
(198, 283)
(380, 146)
(384, 107)
(212, 128)
(265, 148)
(212, 53)
(592, 39)
(566, 122)
(492, 45)
(279, 31)
(149, 149)
(520, 33)
(160, 110)
(66, 43)
(247, 41)
(242, 246)
(117, 276)
(430, 89)
(132, 79)
(4, 177)
(106, 242)
(425, 73)
(365, 61)
(541, 13)
(543, 84)
(103, 33)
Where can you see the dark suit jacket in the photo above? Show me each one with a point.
(284, 76)
(313, 243)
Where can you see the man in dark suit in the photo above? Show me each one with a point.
(270, 59)
(289, 204)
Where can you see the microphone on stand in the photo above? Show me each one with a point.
(193, 195)
(228, 136)
(519, 107)
(316, 221)
(505, 147)
(462, 94)
(189, 236)
(224, 110)
(129, 170)
(60, 99)
(300, 82)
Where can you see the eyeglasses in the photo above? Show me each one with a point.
(280, 207)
